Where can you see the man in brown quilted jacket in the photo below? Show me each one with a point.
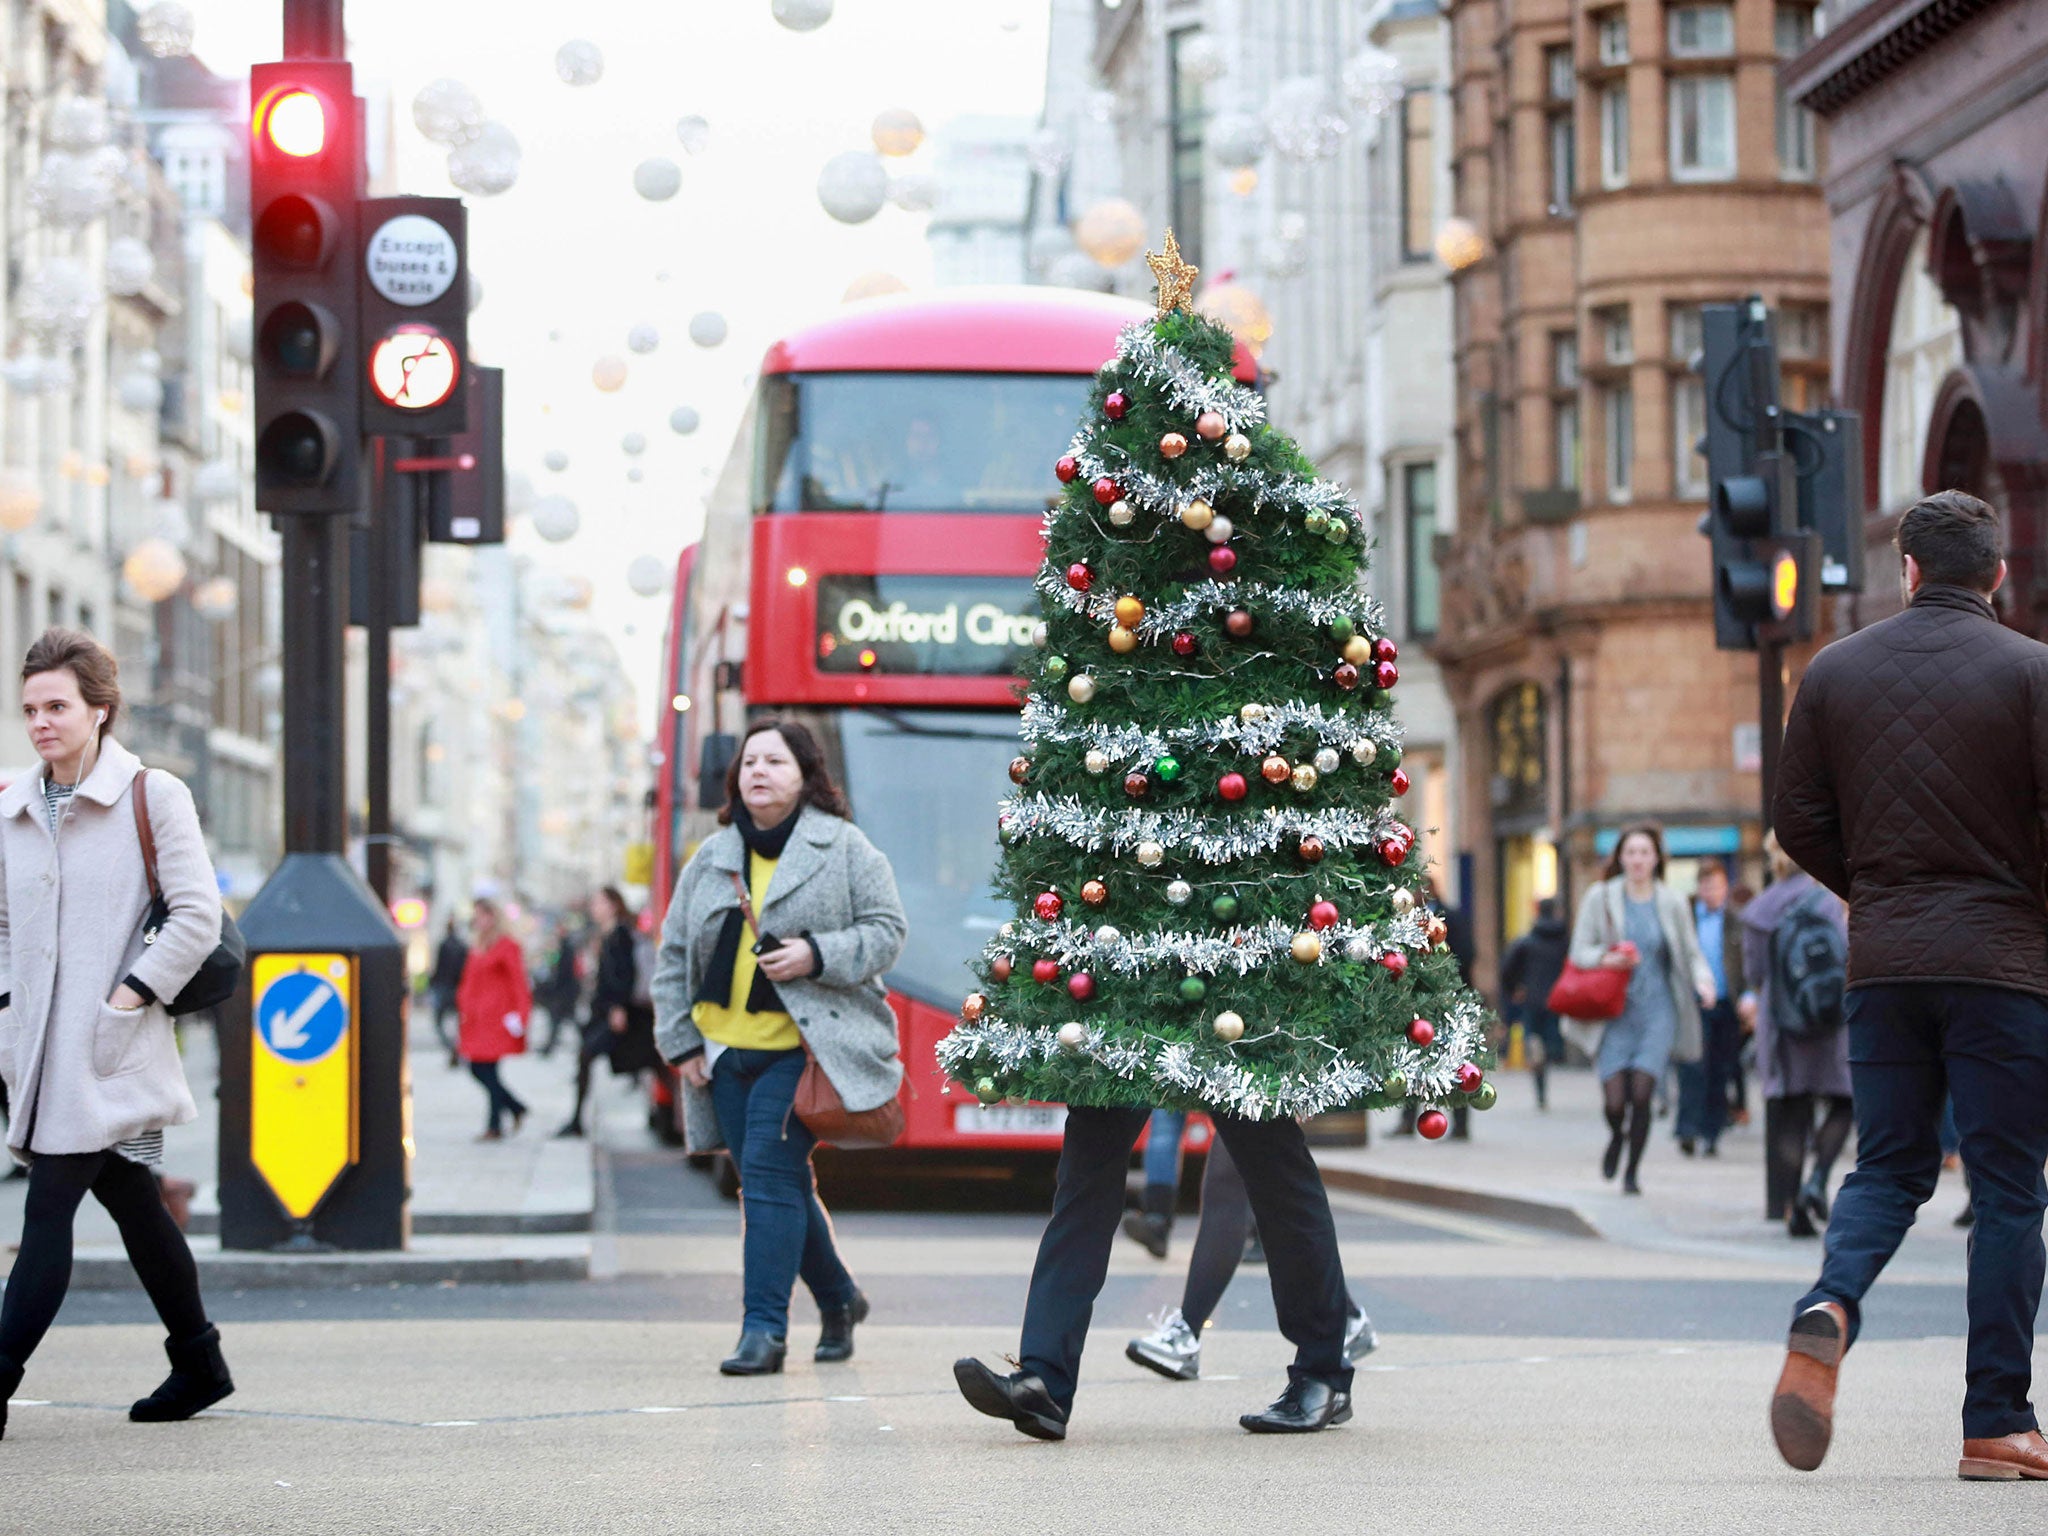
(1915, 786)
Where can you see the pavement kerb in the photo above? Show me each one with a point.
(1550, 1216)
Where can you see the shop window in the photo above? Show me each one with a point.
(1926, 343)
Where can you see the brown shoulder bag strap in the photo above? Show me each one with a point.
(739, 887)
(143, 831)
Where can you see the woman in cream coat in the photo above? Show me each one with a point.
(85, 1040)
(1632, 921)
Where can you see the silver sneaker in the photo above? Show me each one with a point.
(1359, 1339)
(1172, 1348)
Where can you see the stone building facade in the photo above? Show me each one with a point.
(1623, 164)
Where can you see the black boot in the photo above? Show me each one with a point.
(835, 1337)
(10, 1378)
(1151, 1226)
(756, 1354)
(199, 1379)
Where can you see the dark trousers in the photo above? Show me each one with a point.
(1703, 1085)
(1288, 1201)
(502, 1099)
(787, 1232)
(57, 1186)
(1909, 1046)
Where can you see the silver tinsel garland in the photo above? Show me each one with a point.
(1045, 722)
(1212, 840)
(1242, 950)
(1246, 489)
(1212, 597)
(1182, 383)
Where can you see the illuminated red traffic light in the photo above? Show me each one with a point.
(293, 120)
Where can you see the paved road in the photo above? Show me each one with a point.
(1527, 1383)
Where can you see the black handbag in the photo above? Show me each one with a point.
(217, 978)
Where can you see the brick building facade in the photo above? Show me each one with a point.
(1624, 164)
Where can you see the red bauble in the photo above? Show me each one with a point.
(1184, 644)
(1106, 491)
(1067, 468)
(1310, 848)
(1222, 560)
(1232, 786)
(1398, 783)
(1392, 852)
(1000, 967)
(1045, 972)
(1421, 1031)
(1081, 985)
(1019, 768)
(1386, 674)
(1048, 906)
(1238, 623)
(1346, 675)
(1135, 785)
(1384, 649)
(1405, 834)
(1431, 1124)
(1079, 577)
(1469, 1077)
(1172, 445)
(1395, 962)
(1115, 406)
(1322, 915)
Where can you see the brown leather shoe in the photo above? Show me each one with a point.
(1803, 1409)
(2006, 1459)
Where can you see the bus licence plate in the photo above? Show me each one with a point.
(1009, 1119)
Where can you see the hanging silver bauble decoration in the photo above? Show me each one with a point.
(556, 519)
(1302, 121)
(1048, 153)
(693, 133)
(657, 178)
(71, 190)
(1202, 59)
(130, 266)
(77, 124)
(633, 443)
(1372, 81)
(1235, 140)
(447, 112)
(142, 393)
(166, 28)
(643, 337)
(915, 191)
(648, 575)
(57, 303)
(579, 62)
(853, 186)
(488, 164)
(802, 15)
(683, 420)
(707, 328)
(555, 460)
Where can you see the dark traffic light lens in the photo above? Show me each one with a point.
(293, 230)
(295, 449)
(295, 342)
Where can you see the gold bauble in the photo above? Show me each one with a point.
(1275, 769)
(1072, 1035)
(1304, 777)
(1120, 513)
(1172, 445)
(1358, 650)
(1110, 232)
(1363, 751)
(1097, 760)
(1122, 641)
(1404, 903)
(154, 569)
(1151, 855)
(1229, 1027)
(974, 1007)
(897, 131)
(1081, 688)
(1307, 947)
(1197, 514)
(1129, 610)
(1252, 714)
(1237, 447)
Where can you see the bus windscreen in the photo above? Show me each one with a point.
(914, 442)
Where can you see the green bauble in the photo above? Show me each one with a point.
(1337, 530)
(1167, 769)
(1379, 698)
(985, 1090)
(1316, 522)
(1389, 756)
(1486, 1097)
(1193, 989)
(1224, 909)
(1056, 668)
(1342, 629)
(1395, 1087)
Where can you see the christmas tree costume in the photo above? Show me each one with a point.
(1218, 903)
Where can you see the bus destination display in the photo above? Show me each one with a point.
(952, 626)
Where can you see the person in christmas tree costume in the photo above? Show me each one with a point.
(1218, 904)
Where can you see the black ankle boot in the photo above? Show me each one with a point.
(1151, 1226)
(756, 1354)
(10, 1378)
(199, 1379)
(835, 1337)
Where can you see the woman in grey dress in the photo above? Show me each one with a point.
(1632, 921)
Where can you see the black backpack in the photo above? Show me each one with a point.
(1809, 971)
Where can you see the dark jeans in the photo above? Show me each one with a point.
(57, 1186)
(787, 1232)
(1288, 1201)
(1909, 1046)
(503, 1100)
(1162, 1149)
(444, 1017)
(1703, 1085)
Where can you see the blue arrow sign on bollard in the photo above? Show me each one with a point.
(302, 1017)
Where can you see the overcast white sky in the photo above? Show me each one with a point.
(571, 257)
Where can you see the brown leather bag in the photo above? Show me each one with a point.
(818, 1104)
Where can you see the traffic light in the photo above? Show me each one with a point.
(467, 504)
(305, 174)
(1827, 451)
(415, 316)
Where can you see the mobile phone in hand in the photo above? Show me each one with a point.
(766, 942)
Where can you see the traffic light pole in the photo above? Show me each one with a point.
(385, 484)
(1770, 692)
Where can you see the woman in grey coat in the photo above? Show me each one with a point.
(85, 1042)
(1632, 921)
(776, 938)
(1801, 1075)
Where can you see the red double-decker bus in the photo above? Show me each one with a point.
(866, 567)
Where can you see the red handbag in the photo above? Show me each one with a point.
(1596, 994)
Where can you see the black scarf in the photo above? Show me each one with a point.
(716, 987)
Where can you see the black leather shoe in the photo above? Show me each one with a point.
(1020, 1398)
(199, 1378)
(835, 1338)
(1305, 1407)
(756, 1354)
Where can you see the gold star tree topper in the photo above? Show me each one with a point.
(1176, 278)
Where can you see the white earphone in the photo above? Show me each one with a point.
(103, 718)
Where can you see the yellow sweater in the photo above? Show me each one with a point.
(733, 1023)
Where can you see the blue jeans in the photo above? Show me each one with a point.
(787, 1232)
(1986, 1048)
(1162, 1147)
(1703, 1085)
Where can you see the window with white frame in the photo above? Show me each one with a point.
(1926, 344)
(1614, 135)
(1418, 492)
(1561, 128)
(1687, 333)
(1611, 27)
(1797, 149)
(1617, 336)
(1700, 31)
(1702, 113)
(1564, 410)
(1618, 423)
(1688, 426)
(1561, 81)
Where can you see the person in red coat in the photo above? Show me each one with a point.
(494, 1002)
